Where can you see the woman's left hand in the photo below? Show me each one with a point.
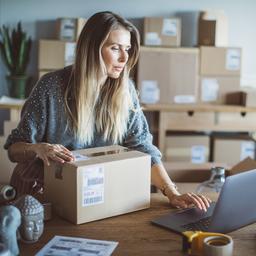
(189, 199)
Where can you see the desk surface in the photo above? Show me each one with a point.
(135, 233)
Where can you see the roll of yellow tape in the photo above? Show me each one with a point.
(218, 246)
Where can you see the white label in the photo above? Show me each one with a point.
(69, 53)
(80, 157)
(169, 27)
(152, 38)
(209, 89)
(198, 154)
(247, 150)
(233, 59)
(184, 99)
(150, 92)
(67, 30)
(93, 185)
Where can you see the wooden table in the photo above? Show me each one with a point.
(135, 233)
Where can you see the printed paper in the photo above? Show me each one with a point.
(68, 29)
(233, 59)
(198, 154)
(74, 246)
(169, 27)
(150, 92)
(93, 185)
(209, 89)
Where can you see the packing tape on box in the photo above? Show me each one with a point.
(7, 192)
(199, 243)
(218, 246)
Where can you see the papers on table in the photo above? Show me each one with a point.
(75, 246)
(12, 101)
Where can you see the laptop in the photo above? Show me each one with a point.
(235, 208)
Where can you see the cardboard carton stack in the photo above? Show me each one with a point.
(220, 65)
(56, 54)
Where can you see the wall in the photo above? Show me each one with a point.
(37, 16)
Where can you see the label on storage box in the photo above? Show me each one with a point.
(184, 99)
(93, 185)
(209, 89)
(69, 53)
(198, 154)
(169, 27)
(152, 38)
(233, 59)
(247, 150)
(150, 92)
(67, 29)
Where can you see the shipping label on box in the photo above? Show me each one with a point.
(150, 92)
(152, 38)
(209, 89)
(247, 150)
(70, 49)
(233, 57)
(170, 27)
(198, 154)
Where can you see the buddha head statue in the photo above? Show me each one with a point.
(32, 218)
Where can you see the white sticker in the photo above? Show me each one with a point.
(69, 53)
(169, 27)
(80, 157)
(150, 92)
(93, 185)
(184, 99)
(198, 154)
(67, 29)
(209, 89)
(233, 59)
(152, 38)
(247, 150)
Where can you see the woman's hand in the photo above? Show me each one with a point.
(189, 199)
(55, 152)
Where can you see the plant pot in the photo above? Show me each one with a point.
(17, 86)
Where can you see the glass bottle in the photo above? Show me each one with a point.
(215, 183)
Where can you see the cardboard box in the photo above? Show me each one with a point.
(189, 172)
(69, 29)
(232, 150)
(220, 61)
(55, 54)
(246, 98)
(215, 89)
(213, 28)
(167, 83)
(159, 31)
(101, 183)
(185, 148)
(245, 165)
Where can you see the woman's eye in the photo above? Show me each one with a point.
(115, 48)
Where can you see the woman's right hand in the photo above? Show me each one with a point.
(54, 152)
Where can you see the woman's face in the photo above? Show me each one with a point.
(115, 51)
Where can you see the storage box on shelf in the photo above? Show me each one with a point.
(167, 83)
(159, 31)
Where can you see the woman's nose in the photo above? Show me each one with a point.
(123, 56)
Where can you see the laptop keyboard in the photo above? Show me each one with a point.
(201, 224)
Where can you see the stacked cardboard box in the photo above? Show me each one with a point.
(176, 78)
(220, 69)
(187, 148)
(159, 31)
(232, 150)
(246, 98)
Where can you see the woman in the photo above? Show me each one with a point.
(93, 103)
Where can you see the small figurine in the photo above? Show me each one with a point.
(10, 220)
(32, 218)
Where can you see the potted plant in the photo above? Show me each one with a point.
(15, 51)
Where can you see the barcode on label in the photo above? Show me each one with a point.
(95, 181)
(92, 200)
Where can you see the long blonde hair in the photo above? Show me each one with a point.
(93, 106)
